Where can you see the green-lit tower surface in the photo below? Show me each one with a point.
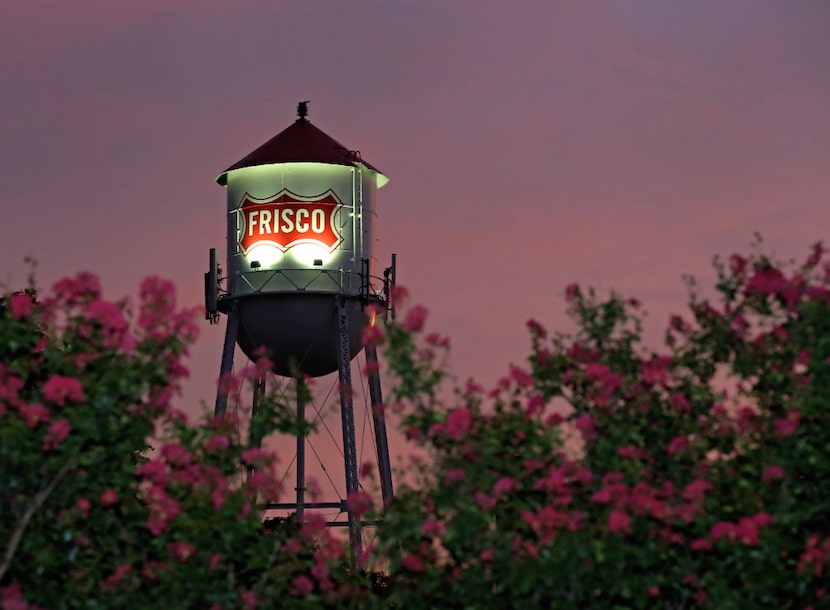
(300, 279)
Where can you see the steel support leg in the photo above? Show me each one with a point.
(226, 366)
(301, 399)
(255, 432)
(347, 419)
(376, 397)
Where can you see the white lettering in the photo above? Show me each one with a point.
(287, 225)
(251, 221)
(318, 220)
(302, 227)
(264, 222)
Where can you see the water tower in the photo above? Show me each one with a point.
(299, 277)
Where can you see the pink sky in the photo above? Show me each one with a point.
(529, 144)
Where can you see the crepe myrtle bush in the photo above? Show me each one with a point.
(608, 474)
(109, 498)
(603, 473)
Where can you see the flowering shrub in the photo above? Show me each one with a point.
(91, 516)
(602, 474)
(609, 475)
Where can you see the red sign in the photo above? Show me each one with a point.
(286, 220)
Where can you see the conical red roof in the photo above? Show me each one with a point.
(301, 142)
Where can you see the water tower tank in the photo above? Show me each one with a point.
(301, 210)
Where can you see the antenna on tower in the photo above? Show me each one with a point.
(302, 110)
(212, 290)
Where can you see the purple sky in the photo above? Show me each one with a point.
(529, 144)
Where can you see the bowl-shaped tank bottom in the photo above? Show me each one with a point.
(299, 331)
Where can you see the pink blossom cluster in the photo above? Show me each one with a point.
(59, 389)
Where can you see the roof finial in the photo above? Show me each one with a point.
(302, 110)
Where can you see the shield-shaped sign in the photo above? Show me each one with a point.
(287, 219)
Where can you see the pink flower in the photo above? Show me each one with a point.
(587, 425)
(815, 255)
(158, 299)
(175, 454)
(815, 555)
(484, 501)
(723, 529)
(398, 296)
(372, 334)
(761, 519)
(359, 502)
(111, 319)
(35, 414)
(431, 527)
(228, 384)
(773, 474)
(504, 485)
(366, 470)
(678, 324)
(787, 426)
(181, 550)
(20, 305)
(603, 496)
(413, 563)
(596, 370)
(83, 505)
(57, 433)
(109, 497)
(679, 402)
(631, 453)
(9, 388)
(677, 444)
(154, 471)
(655, 370)
(653, 591)
(11, 598)
(116, 577)
(218, 499)
(537, 331)
(747, 532)
(257, 457)
(701, 544)
(83, 288)
(747, 528)
(152, 570)
(766, 281)
(618, 522)
(535, 405)
(219, 442)
(415, 318)
(737, 264)
(302, 586)
(459, 422)
(521, 377)
(695, 491)
(59, 389)
(321, 573)
(248, 599)
(572, 292)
